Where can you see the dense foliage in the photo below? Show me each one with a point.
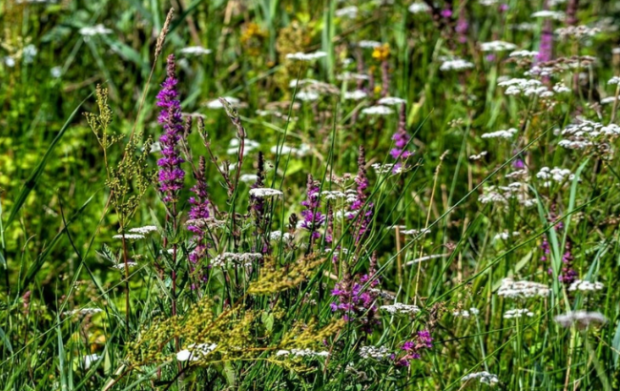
(284, 195)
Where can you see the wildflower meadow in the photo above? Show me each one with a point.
(309, 195)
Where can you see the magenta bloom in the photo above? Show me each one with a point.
(171, 175)
(414, 349)
(199, 213)
(401, 141)
(313, 218)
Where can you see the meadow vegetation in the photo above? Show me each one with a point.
(309, 195)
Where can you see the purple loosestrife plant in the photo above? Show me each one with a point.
(313, 219)
(199, 214)
(171, 175)
(355, 300)
(401, 140)
(361, 211)
(413, 349)
(545, 49)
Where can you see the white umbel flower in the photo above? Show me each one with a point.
(216, 104)
(143, 230)
(391, 101)
(400, 308)
(518, 313)
(368, 44)
(581, 319)
(497, 46)
(546, 14)
(129, 236)
(377, 110)
(466, 313)
(299, 56)
(264, 192)
(523, 53)
(377, 353)
(455, 65)
(302, 353)
(505, 134)
(418, 7)
(483, 377)
(95, 30)
(355, 95)
(195, 50)
(347, 12)
(585, 286)
(522, 289)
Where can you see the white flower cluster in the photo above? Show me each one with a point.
(264, 192)
(387, 168)
(526, 87)
(497, 46)
(377, 110)
(347, 12)
(216, 104)
(614, 80)
(143, 230)
(518, 313)
(418, 7)
(332, 195)
(483, 377)
(466, 313)
(478, 156)
(581, 319)
(195, 50)
(585, 286)
(522, 289)
(378, 353)
(456, 64)
(307, 96)
(248, 146)
(355, 95)
(505, 134)
(349, 76)
(547, 14)
(248, 178)
(285, 150)
(96, 30)
(277, 235)
(129, 236)
(505, 235)
(195, 352)
(577, 32)
(401, 308)
(121, 266)
(244, 259)
(556, 174)
(302, 353)
(368, 44)
(586, 133)
(299, 56)
(391, 101)
(415, 232)
(523, 53)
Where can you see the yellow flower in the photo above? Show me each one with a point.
(381, 53)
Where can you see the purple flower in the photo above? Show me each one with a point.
(401, 141)
(414, 348)
(171, 175)
(364, 211)
(462, 25)
(446, 13)
(313, 219)
(199, 213)
(355, 301)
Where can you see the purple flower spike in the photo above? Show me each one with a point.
(171, 175)
(313, 219)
